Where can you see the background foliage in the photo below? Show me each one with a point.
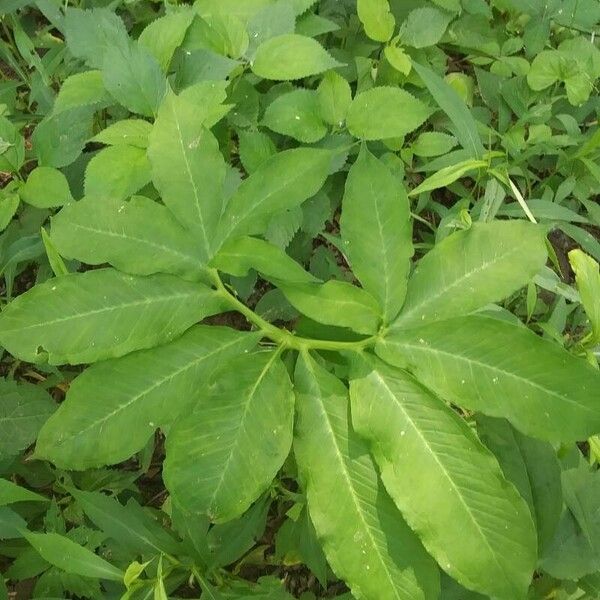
(318, 155)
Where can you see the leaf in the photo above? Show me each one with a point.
(89, 33)
(451, 103)
(444, 177)
(135, 394)
(46, 188)
(226, 451)
(291, 56)
(273, 20)
(128, 132)
(470, 269)
(82, 89)
(255, 147)
(164, 35)
(238, 256)
(532, 466)
(70, 557)
(502, 370)
(377, 19)
(23, 410)
(12, 147)
(377, 231)
(140, 237)
(424, 27)
(133, 78)
(365, 539)
(283, 181)
(60, 137)
(335, 303)
(433, 143)
(11, 493)
(130, 526)
(446, 484)
(296, 114)
(9, 204)
(385, 112)
(117, 172)
(587, 277)
(188, 168)
(334, 97)
(85, 317)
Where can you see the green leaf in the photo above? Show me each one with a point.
(444, 177)
(281, 182)
(424, 27)
(255, 147)
(273, 20)
(365, 539)
(188, 168)
(447, 485)
(291, 56)
(85, 317)
(465, 126)
(433, 143)
(140, 237)
(226, 451)
(238, 256)
(377, 231)
(117, 172)
(135, 394)
(164, 35)
(9, 204)
(502, 370)
(45, 188)
(296, 114)
(133, 78)
(335, 303)
(12, 147)
(587, 277)
(470, 269)
(23, 410)
(11, 492)
(60, 137)
(82, 89)
(334, 97)
(70, 557)
(377, 19)
(128, 132)
(130, 526)
(385, 112)
(532, 466)
(89, 33)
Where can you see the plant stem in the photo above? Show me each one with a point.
(281, 337)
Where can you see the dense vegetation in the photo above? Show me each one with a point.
(300, 299)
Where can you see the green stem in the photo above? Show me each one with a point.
(281, 337)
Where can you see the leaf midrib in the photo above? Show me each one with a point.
(148, 301)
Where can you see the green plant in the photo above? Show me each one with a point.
(418, 437)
